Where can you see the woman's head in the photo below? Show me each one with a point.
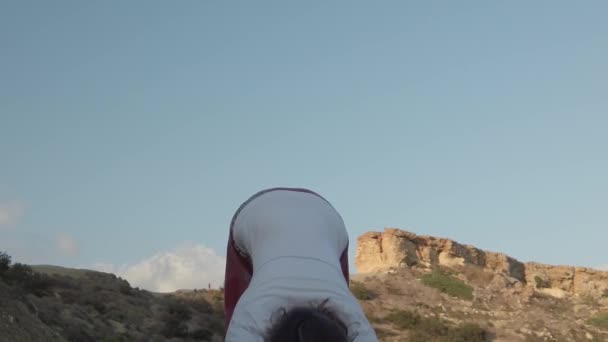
(308, 324)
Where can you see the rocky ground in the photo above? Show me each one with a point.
(503, 309)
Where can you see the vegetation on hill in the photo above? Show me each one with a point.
(541, 283)
(435, 329)
(600, 320)
(95, 306)
(451, 304)
(360, 291)
(448, 284)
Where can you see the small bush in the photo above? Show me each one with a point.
(200, 305)
(360, 291)
(433, 326)
(468, 332)
(74, 332)
(19, 273)
(216, 325)
(407, 320)
(605, 293)
(96, 303)
(115, 313)
(29, 281)
(126, 289)
(448, 284)
(600, 320)
(179, 310)
(541, 283)
(175, 317)
(175, 328)
(5, 262)
(50, 315)
(435, 329)
(403, 319)
(117, 338)
(201, 334)
(69, 296)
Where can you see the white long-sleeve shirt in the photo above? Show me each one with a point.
(295, 241)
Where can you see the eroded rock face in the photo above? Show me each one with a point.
(394, 248)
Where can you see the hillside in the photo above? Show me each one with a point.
(451, 284)
(49, 303)
(413, 288)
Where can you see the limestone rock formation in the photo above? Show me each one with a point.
(395, 248)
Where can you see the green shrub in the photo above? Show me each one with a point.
(126, 289)
(541, 283)
(177, 313)
(117, 338)
(74, 332)
(115, 313)
(24, 277)
(174, 328)
(201, 334)
(468, 332)
(599, 320)
(448, 284)
(5, 262)
(407, 320)
(20, 273)
(402, 319)
(200, 305)
(179, 310)
(605, 293)
(216, 325)
(50, 315)
(98, 303)
(360, 291)
(434, 328)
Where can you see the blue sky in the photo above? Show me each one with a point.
(129, 129)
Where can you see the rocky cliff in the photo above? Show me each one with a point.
(395, 248)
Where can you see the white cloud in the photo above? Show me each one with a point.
(10, 213)
(187, 267)
(67, 245)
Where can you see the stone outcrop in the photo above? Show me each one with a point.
(395, 248)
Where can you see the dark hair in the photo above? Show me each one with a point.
(308, 324)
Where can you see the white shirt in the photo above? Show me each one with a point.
(295, 241)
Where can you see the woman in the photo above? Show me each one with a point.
(287, 272)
